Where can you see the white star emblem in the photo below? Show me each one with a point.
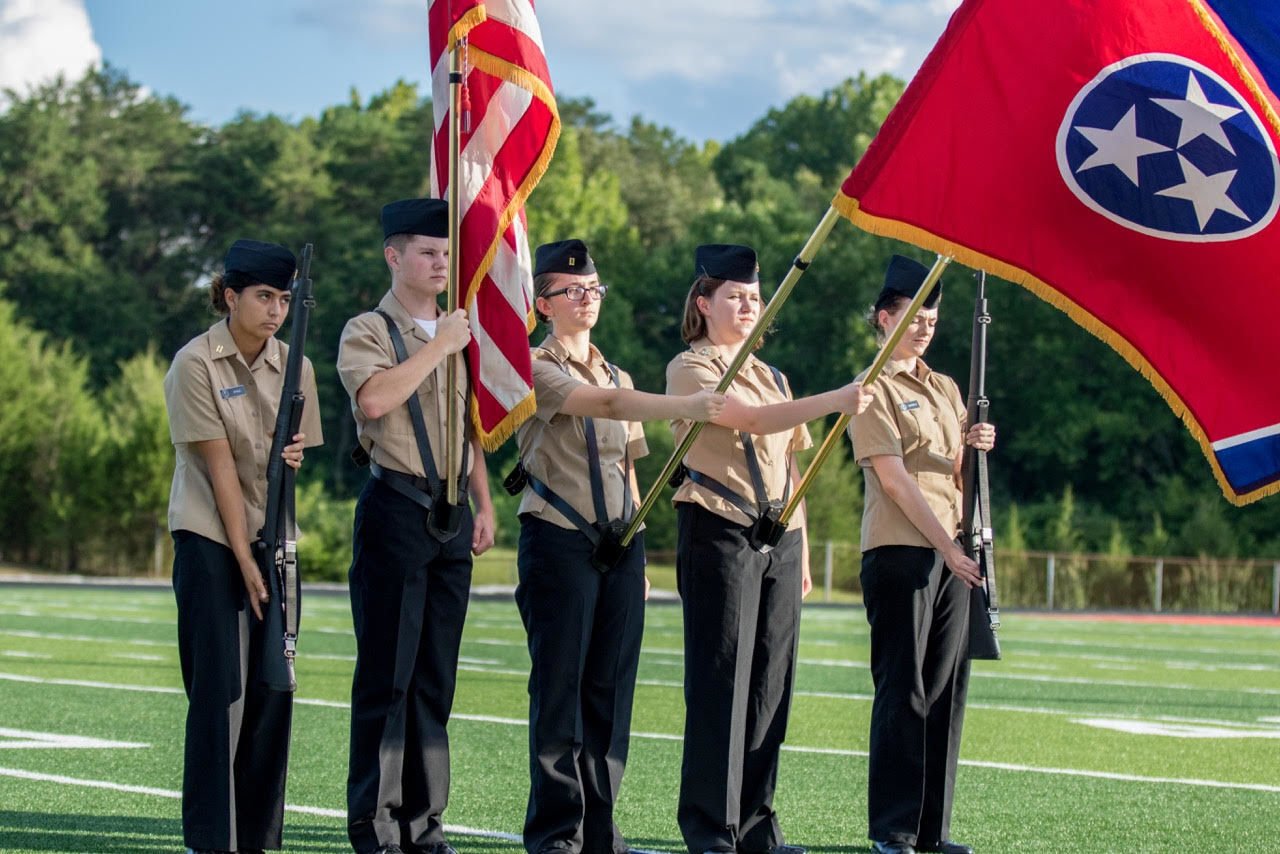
(1198, 115)
(1119, 147)
(1208, 193)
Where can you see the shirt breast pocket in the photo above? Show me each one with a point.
(914, 435)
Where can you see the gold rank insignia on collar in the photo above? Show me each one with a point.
(708, 351)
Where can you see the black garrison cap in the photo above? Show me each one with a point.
(903, 278)
(268, 263)
(726, 261)
(429, 217)
(564, 256)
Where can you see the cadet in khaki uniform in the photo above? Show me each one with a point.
(222, 393)
(584, 621)
(909, 443)
(411, 566)
(741, 598)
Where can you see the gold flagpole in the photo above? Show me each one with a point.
(455, 260)
(798, 266)
(882, 359)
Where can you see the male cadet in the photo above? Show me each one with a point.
(411, 556)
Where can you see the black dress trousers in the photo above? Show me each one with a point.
(237, 738)
(919, 616)
(584, 631)
(741, 627)
(408, 602)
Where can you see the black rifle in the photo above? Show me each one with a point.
(276, 548)
(975, 524)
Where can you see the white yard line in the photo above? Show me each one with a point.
(325, 812)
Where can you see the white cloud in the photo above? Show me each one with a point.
(822, 42)
(42, 38)
(708, 68)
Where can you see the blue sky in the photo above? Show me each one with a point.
(708, 69)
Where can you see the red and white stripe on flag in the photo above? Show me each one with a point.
(514, 127)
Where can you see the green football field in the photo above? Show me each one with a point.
(1092, 735)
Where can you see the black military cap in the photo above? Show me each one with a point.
(903, 278)
(429, 217)
(563, 256)
(726, 261)
(268, 263)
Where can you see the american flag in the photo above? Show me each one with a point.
(512, 133)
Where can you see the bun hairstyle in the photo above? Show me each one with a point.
(235, 280)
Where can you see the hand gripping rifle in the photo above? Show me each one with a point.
(975, 524)
(276, 548)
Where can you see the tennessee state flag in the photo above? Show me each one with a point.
(1117, 158)
(514, 127)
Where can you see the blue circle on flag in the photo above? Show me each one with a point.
(1164, 146)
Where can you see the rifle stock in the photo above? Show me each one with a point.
(975, 525)
(276, 546)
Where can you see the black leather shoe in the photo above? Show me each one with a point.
(946, 846)
(788, 849)
(439, 848)
(892, 848)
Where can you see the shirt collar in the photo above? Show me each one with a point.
(894, 367)
(223, 346)
(704, 347)
(556, 348)
(404, 320)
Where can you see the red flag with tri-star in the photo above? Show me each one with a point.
(1119, 160)
(512, 133)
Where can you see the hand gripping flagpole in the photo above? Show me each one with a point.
(882, 359)
(798, 266)
(455, 267)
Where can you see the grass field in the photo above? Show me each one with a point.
(1091, 735)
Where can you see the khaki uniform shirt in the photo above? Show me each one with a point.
(365, 349)
(553, 446)
(718, 451)
(921, 418)
(211, 393)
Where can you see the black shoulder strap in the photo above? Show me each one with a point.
(416, 416)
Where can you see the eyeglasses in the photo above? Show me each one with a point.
(577, 293)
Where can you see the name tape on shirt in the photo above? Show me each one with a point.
(909, 405)
(234, 391)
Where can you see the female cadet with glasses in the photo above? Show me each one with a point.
(915, 577)
(741, 577)
(222, 393)
(581, 595)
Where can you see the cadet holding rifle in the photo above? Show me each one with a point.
(581, 594)
(412, 550)
(741, 573)
(916, 578)
(222, 393)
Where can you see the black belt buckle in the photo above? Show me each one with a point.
(515, 482)
(608, 550)
(766, 532)
(444, 520)
(678, 476)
